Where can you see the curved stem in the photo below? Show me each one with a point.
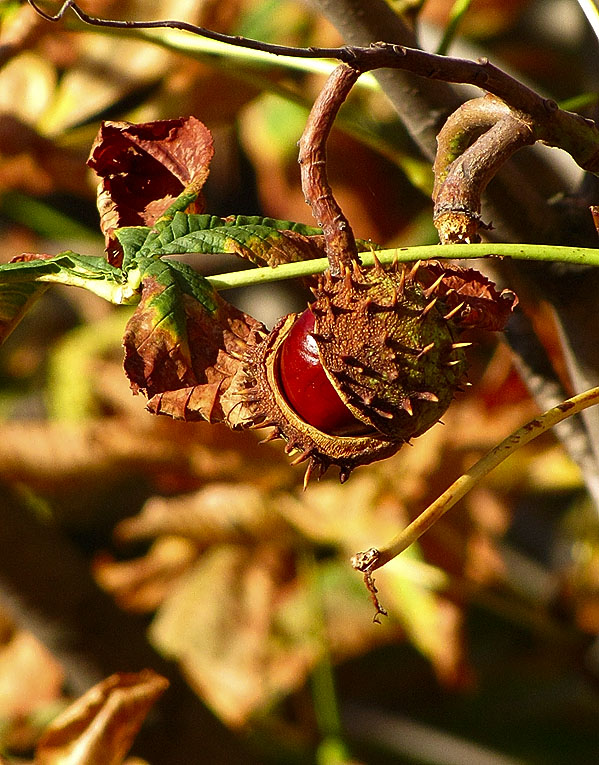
(460, 183)
(374, 558)
(461, 129)
(339, 238)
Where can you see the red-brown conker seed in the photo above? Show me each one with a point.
(306, 386)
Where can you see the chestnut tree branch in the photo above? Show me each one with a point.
(462, 171)
(577, 135)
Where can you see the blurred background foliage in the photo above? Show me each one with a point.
(130, 539)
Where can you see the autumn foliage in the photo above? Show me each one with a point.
(169, 588)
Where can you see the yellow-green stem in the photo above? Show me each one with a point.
(536, 252)
(376, 557)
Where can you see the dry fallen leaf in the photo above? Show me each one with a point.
(99, 728)
(142, 584)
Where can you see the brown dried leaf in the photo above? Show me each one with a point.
(217, 513)
(99, 728)
(78, 463)
(144, 167)
(482, 306)
(185, 356)
(247, 631)
(223, 626)
(140, 585)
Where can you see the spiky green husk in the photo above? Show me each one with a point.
(388, 349)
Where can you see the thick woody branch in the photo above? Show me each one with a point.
(472, 146)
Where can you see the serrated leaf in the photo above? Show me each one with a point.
(144, 168)
(184, 343)
(130, 241)
(264, 241)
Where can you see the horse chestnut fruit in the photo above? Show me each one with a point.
(372, 363)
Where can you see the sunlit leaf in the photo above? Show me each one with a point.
(144, 167)
(99, 728)
(184, 343)
(223, 625)
(26, 277)
(57, 268)
(264, 241)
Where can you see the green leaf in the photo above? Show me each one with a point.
(131, 239)
(65, 268)
(175, 278)
(261, 240)
(25, 279)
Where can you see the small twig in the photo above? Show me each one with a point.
(184, 26)
(374, 596)
(369, 561)
(461, 129)
(339, 238)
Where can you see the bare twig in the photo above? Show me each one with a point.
(370, 560)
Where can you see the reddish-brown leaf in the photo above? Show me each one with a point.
(144, 167)
(482, 306)
(185, 365)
